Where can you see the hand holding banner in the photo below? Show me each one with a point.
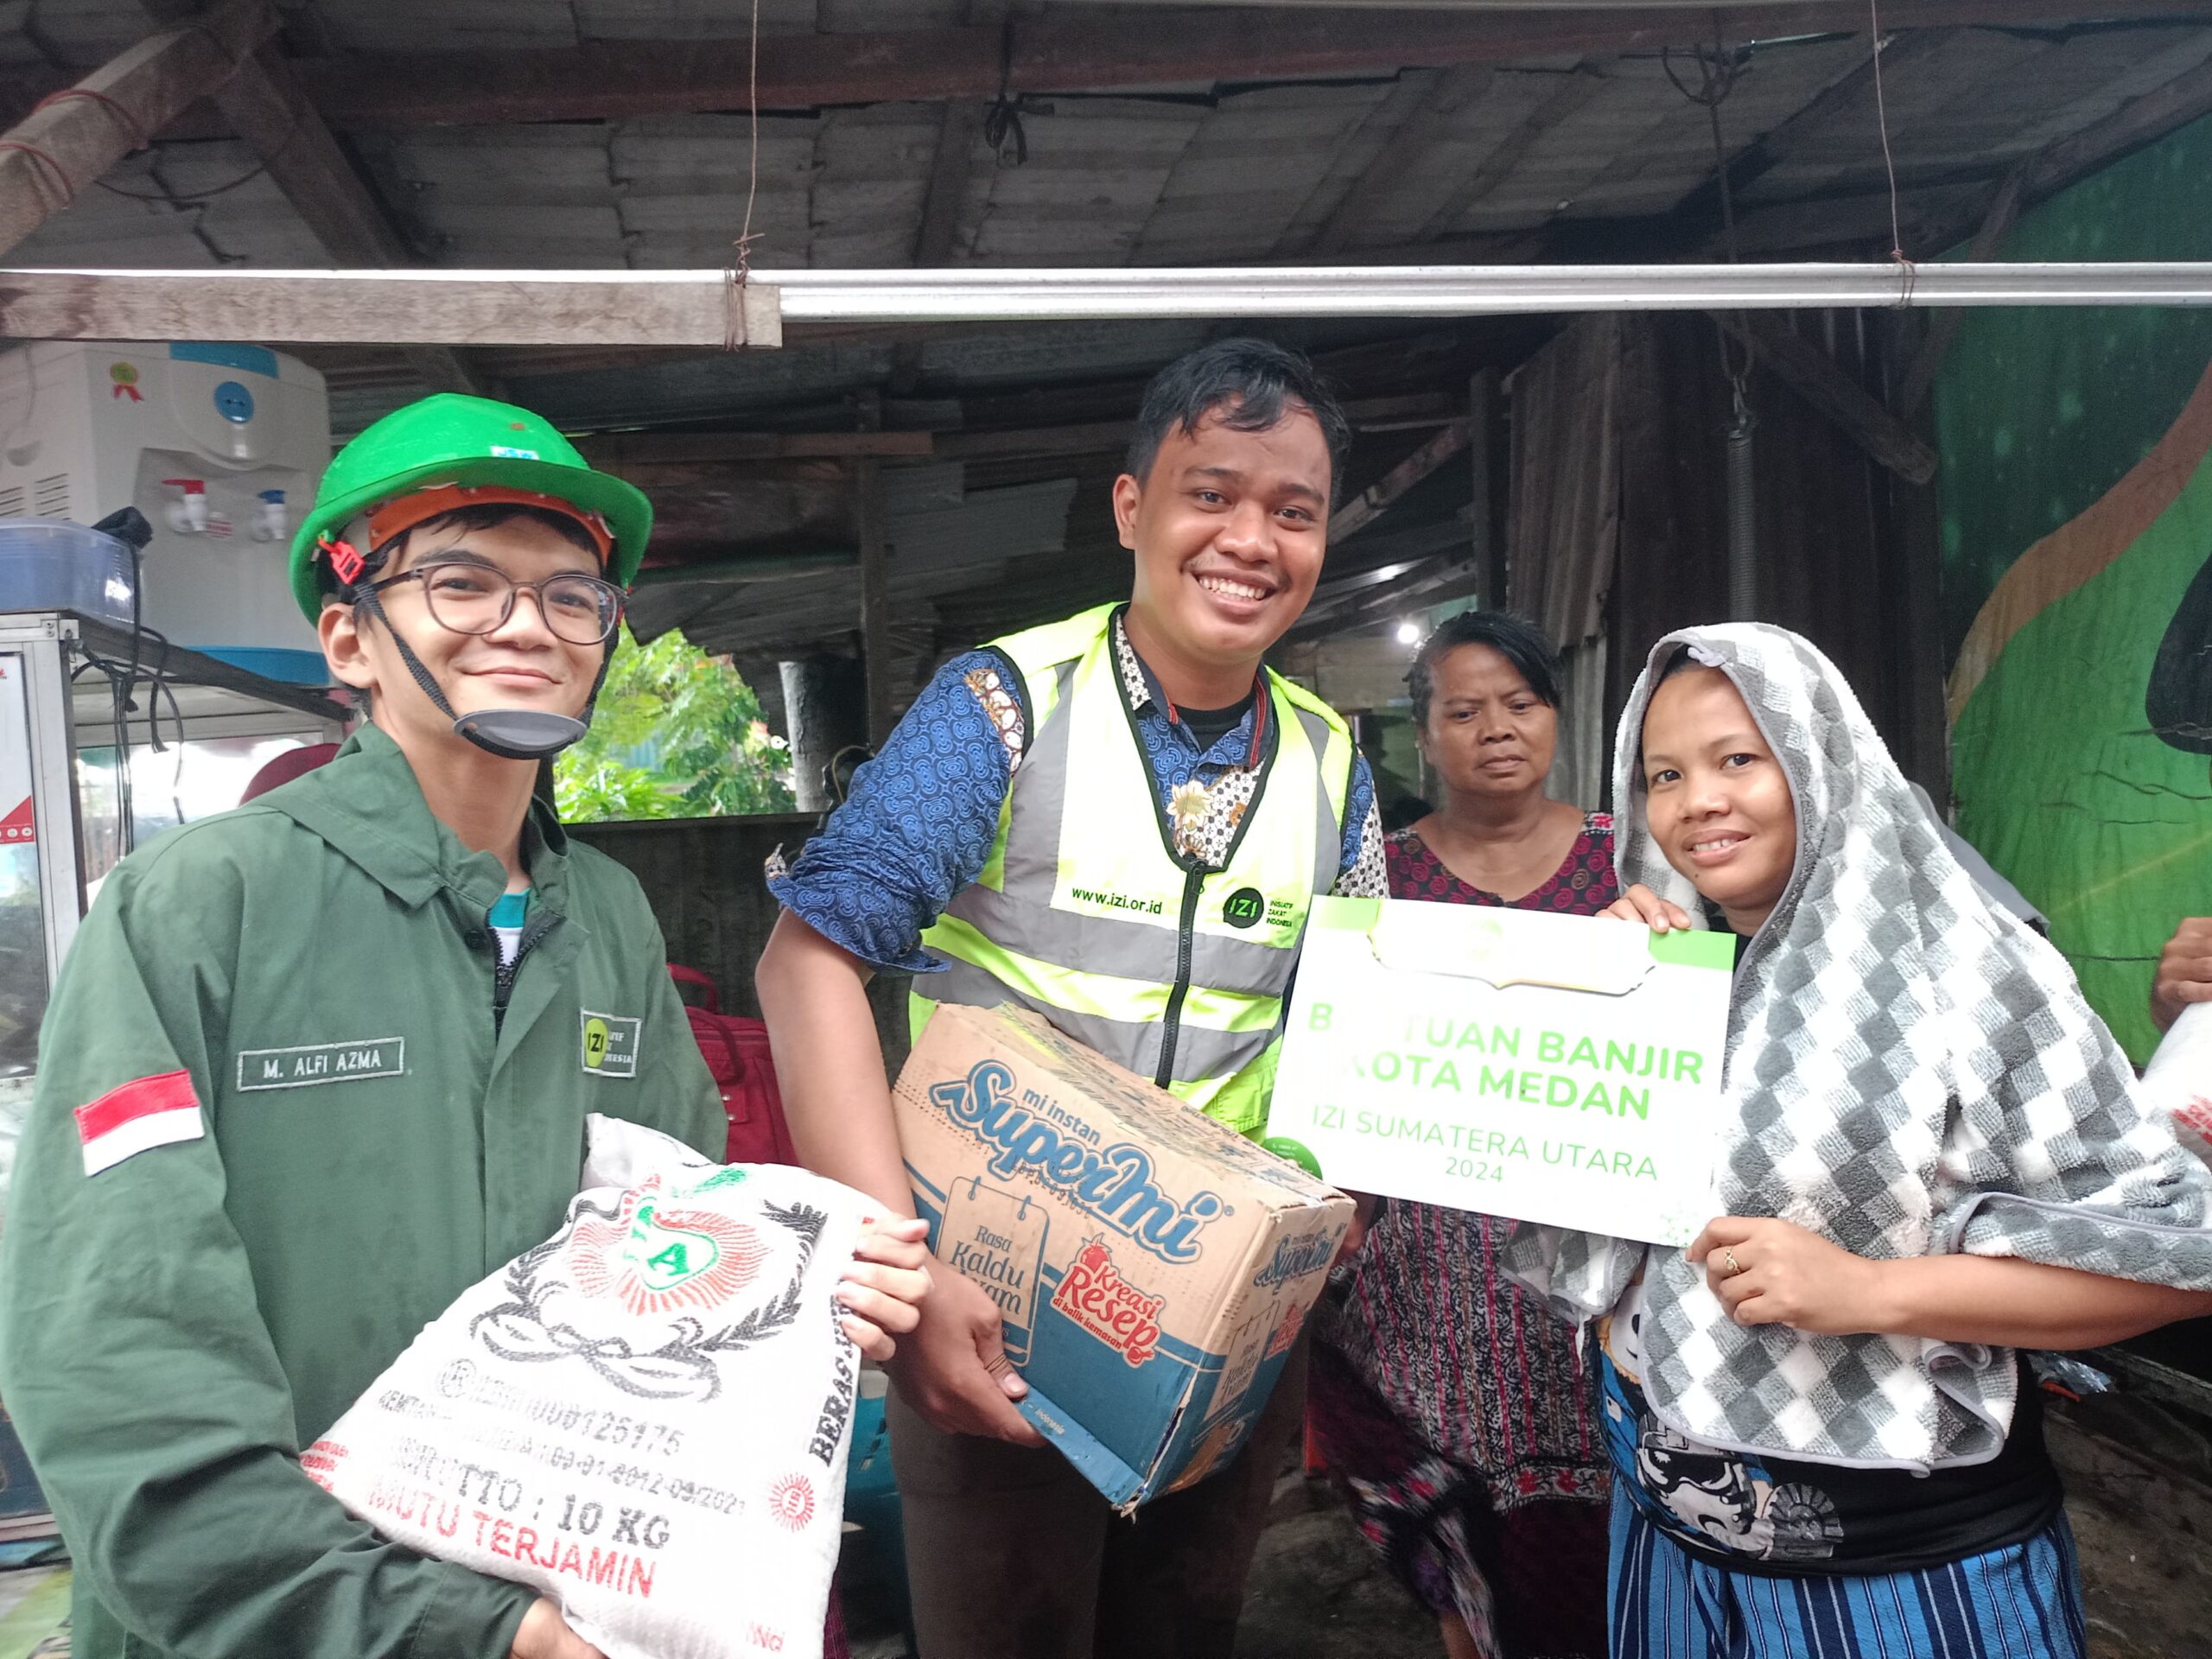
(1556, 1069)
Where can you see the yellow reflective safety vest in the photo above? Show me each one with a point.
(1086, 912)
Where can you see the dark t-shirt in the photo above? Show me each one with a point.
(1210, 726)
(1781, 1517)
(1775, 1517)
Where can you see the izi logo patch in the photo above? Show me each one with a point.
(610, 1044)
(1245, 906)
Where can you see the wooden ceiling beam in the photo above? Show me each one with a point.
(1376, 499)
(62, 147)
(2140, 121)
(620, 80)
(617, 450)
(266, 107)
(23, 87)
(1836, 393)
(377, 307)
(1943, 327)
(1575, 89)
(1449, 91)
(1699, 210)
(793, 453)
(938, 235)
(1940, 212)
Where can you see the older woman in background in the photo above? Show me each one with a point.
(1453, 1405)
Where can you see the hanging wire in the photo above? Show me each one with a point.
(193, 199)
(1716, 78)
(738, 273)
(1908, 270)
(1002, 122)
(127, 118)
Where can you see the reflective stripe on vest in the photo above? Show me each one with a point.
(1083, 913)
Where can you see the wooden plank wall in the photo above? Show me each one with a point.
(1845, 553)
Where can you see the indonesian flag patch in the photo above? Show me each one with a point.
(142, 1114)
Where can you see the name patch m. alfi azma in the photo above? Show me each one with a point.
(309, 1063)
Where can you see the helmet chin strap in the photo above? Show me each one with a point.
(510, 734)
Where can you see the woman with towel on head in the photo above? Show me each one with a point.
(1823, 1437)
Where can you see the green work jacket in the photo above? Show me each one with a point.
(275, 1047)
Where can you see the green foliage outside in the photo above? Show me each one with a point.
(697, 725)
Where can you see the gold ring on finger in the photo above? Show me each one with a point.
(1734, 1266)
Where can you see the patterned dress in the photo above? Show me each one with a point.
(1457, 1410)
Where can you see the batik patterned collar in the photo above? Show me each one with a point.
(1142, 691)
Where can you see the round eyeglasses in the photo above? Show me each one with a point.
(468, 598)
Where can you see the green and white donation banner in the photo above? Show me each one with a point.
(1556, 1069)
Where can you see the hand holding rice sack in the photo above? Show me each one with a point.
(2179, 1078)
(646, 1417)
(1938, 1154)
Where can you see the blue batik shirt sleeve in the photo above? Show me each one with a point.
(917, 827)
(1363, 873)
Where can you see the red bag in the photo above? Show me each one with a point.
(736, 1051)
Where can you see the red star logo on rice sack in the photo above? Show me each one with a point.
(790, 1501)
(1096, 1296)
(659, 1259)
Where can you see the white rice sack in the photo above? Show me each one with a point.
(646, 1418)
(2180, 1078)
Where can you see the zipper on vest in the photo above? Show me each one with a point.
(1172, 1026)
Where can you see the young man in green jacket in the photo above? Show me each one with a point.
(315, 1066)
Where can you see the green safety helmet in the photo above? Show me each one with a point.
(454, 446)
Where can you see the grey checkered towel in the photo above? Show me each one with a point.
(1913, 1071)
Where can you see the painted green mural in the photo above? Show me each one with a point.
(2077, 500)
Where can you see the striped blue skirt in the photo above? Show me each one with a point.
(2022, 1602)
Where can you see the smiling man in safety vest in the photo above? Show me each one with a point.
(314, 1067)
(1119, 821)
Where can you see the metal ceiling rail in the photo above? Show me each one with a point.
(1461, 290)
(704, 308)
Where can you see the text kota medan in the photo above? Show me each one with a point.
(1472, 1058)
(1561, 1070)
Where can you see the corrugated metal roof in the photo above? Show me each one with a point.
(1530, 153)
(1258, 167)
(1247, 174)
(147, 211)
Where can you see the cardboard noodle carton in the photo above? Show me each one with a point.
(1152, 1268)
